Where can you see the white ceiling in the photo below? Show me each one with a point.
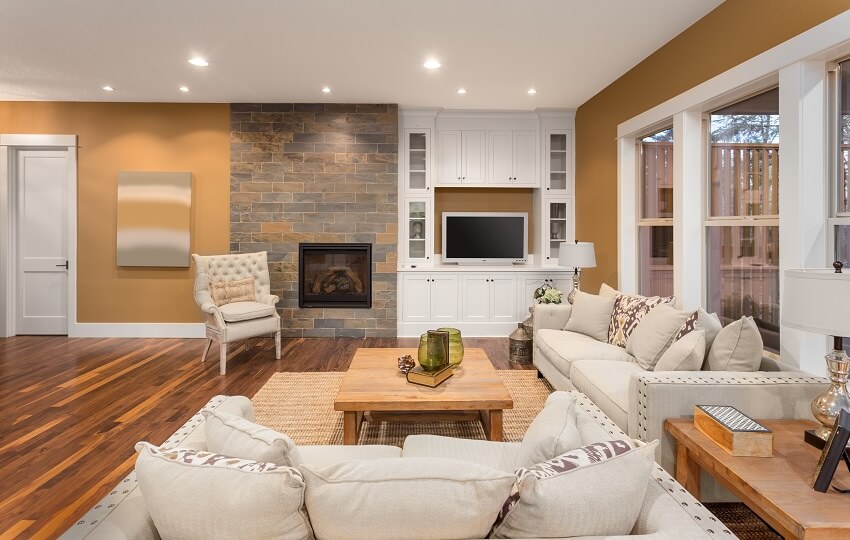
(365, 50)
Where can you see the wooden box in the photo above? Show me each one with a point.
(734, 431)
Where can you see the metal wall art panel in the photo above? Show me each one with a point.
(154, 213)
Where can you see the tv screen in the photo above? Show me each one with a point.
(485, 237)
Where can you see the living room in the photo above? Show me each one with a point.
(633, 147)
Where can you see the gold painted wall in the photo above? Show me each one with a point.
(482, 200)
(136, 136)
(734, 32)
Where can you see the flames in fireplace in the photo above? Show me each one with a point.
(334, 275)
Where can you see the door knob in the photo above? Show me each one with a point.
(65, 265)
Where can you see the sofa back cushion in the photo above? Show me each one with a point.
(701, 320)
(200, 495)
(404, 498)
(686, 354)
(655, 334)
(552, 432)
(628, 312)
(235, 436)
(591, 315)
(737, 347)
(596, 490)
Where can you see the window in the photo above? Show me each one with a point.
(655, 221)
(742, 228)
(840, 220)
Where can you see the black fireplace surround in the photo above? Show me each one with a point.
(334, 275)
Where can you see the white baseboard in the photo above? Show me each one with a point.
(137, 330)
(468, 329)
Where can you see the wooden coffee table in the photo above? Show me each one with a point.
(373, 383)
(778, 488)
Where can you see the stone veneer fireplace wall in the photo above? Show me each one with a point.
(308, 172)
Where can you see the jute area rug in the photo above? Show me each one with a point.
(301, 405)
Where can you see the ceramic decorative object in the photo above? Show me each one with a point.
(455, 346)
(406, 363)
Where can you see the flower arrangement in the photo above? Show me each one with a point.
(547, 294)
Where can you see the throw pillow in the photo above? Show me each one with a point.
(235, 436)
(738, 347)
(192, 494)
(552, 432)
(655, 334)
(240, 290)
(596, 490)
(627, 313)
(701, 320)
(591, 315)
(404, 498)
(686, 354)
(608, 291)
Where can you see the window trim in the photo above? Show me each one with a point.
(642, 221)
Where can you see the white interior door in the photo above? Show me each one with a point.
(41, 221)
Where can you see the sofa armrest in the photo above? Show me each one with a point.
(551, 316)
(656, 396)
(269, 299)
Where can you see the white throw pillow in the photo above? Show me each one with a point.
(654, 334)
(192, 494)
(738, 347)
(687, 354)
(596, 490)
(591, 315)
(404, 498)
(235, 436)
(608, 291)
(701, 320)
(552, 432)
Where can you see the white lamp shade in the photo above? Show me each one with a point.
(818, 301)
(577, 255)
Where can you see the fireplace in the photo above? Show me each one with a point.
(334, 275)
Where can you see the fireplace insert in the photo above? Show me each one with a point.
(334, 275)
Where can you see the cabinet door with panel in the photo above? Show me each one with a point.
(449, 155)
(444, 296)
(524, 153)
(558, 227)
(564, 283)
(475, 303)
(529, 284)
(474, 156)
(416, 297)
(558, 163)
(418, 242)
(417, 156)
(503, 297)
(500, 157)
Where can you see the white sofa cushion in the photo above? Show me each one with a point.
(201, 495)
(687, 354)
(501, 456)
(654, 334)
(738, 347)
(591, 315)
(701, 320)
(552, 432)
(322, 455)
(404, 498)
(594, 490)
(235, 436)
(606, 383)
(563, 348)
(245, 311)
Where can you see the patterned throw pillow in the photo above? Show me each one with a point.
(628, 311)
(209, 459)
(688, 326)
(225, 292)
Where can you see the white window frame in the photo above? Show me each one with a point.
(642, 221)
(836, 218)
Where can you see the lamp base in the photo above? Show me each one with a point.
(576, 277)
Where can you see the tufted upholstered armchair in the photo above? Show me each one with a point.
(236, 320)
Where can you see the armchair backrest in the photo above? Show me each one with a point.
(218, 268)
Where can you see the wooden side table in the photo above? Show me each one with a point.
(778, 488)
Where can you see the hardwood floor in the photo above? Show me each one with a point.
(71, 410)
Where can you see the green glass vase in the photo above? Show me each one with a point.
(455, 346)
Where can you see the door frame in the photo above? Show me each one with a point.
(9, 146)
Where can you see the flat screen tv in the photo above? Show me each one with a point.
(485, 237)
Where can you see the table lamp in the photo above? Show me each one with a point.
(578, 255)
(816, 300)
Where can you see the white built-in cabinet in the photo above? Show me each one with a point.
(429, 298)
(559, 223)
(512, 157)
(488, 297)
(462, 157)
(416, 156)
(417, 230)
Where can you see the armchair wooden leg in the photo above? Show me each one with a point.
(206, 350)
(222, 348)
(277, 345)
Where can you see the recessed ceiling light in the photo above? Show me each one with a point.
(198, 61)
(461, 90)
(432, 63)
(532, 91)
(108, 88)
(184, 88)
(326, 90)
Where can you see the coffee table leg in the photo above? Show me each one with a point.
(349, 427)
(687, 471)
(494, 431)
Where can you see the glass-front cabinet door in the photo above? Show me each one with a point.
(417, 151)
(418, 227)
(559, 227)
(559, 165)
